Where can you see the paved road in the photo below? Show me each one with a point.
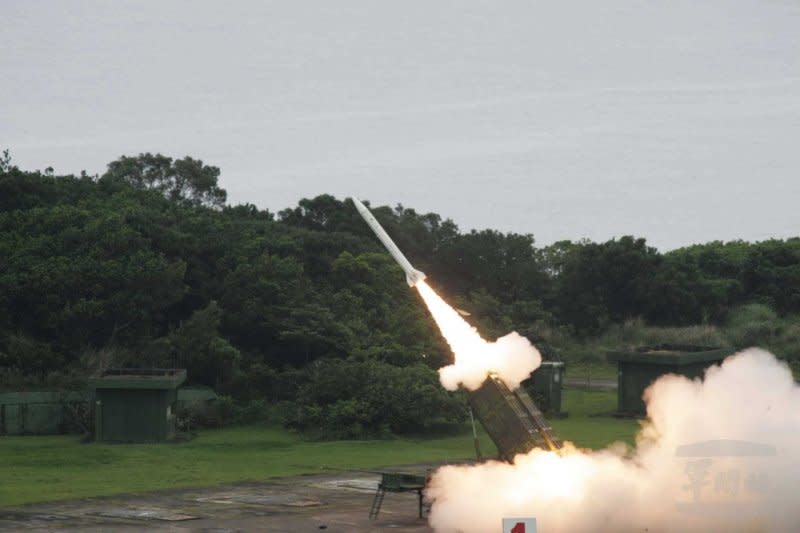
(595, 384)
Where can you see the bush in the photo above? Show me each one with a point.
(635, 333)
(749, 313)
(348, 399)
(198, 415)
(753, 325)
(759, 325)
(227, 411)
(252, 411)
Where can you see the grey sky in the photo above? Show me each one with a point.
(677, 121)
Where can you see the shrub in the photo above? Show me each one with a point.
(197, 415)
(749, 313)
(635, 333)
(357, 399)
(753, 325)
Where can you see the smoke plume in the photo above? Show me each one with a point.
(722, 454)
(511, 357)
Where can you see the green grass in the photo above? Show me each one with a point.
(48, 468)
(35, 469)
(598, 370)
(588, 424)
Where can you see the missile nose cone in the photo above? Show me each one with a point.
(413, 276)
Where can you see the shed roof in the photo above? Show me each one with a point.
(130, 378)
(665, 355)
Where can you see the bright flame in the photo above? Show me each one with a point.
(511, 357)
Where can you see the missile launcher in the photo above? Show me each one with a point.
(511, 419)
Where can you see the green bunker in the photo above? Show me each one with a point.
(136, 405)
(638, 369)
(544, 386)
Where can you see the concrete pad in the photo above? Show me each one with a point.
(232, 498)
(369, 485)
(339, 503)
(169, 515)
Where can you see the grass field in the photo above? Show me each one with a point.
(588, 424)
(35, 469)
(600, 370)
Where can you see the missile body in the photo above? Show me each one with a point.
(412, 274)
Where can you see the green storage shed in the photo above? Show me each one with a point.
(545, 386)
(638, 369)
(136, 405)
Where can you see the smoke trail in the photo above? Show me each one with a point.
(717, 455)
(511, 357)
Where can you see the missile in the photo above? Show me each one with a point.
(413, 276)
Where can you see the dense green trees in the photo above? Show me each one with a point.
(79, 274)
(186, 180)
(147, 266)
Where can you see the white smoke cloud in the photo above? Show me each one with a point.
(511, 357)
(718, 455)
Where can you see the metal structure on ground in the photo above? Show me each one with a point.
(38, 413)
(544, 386)
(136, 405)
(637, 369)
(511, 419)
(398, 482)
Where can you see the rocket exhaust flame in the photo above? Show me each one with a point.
(512, 357)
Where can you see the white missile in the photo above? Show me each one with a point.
(413, 276)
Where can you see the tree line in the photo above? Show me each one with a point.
(147, 265)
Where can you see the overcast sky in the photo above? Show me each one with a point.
(677, 121)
